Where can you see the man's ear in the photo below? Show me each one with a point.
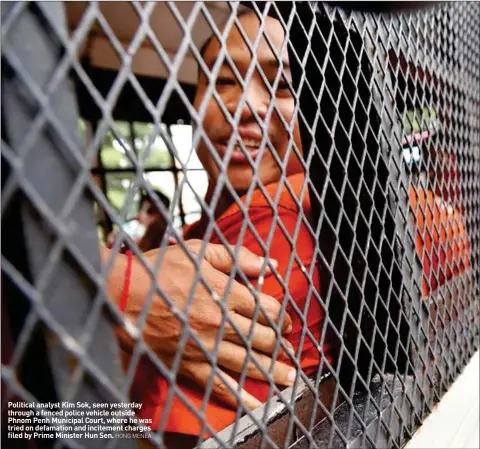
(294, 164)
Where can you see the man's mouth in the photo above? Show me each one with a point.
(238, 155)
(249, 144)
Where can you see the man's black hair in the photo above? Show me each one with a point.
(204, 46)
(202, 51)
(145, 197)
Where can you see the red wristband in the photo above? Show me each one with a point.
(126, 284)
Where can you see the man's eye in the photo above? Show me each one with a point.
(222, 81)
(283, 89)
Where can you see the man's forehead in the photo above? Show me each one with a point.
(240, 44)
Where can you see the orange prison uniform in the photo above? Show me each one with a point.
(441, 240)
(152, 390)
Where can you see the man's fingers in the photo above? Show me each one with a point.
(263, 339)
(200, 373)
(251, 264)
(244, 304)
(232, 356)
(218, 262)
(219, 257)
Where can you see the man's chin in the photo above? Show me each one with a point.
(243, 180)
(240, 180)
(241, 187)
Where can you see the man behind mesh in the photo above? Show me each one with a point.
(277, 232)
(151, 219)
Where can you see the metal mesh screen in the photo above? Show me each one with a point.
(328, 296)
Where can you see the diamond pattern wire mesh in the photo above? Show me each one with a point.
(377, 241)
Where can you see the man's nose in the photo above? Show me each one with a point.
(256, 99)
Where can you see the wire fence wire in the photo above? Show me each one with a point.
(352, 157)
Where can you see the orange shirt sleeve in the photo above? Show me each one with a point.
(293, 247)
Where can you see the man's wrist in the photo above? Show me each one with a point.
(126, 282)
(140, 283)
(116, 276)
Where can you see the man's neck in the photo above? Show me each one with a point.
(224, 201)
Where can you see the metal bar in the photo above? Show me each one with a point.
(385, 307)
(98, 171)
(30, 40)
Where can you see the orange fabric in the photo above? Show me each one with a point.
(152, 390)
(441, 240)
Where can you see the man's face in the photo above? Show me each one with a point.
(250, 131)
(145, 215)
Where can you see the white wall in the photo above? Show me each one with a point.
(455, 421)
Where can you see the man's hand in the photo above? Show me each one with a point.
(162, 329)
